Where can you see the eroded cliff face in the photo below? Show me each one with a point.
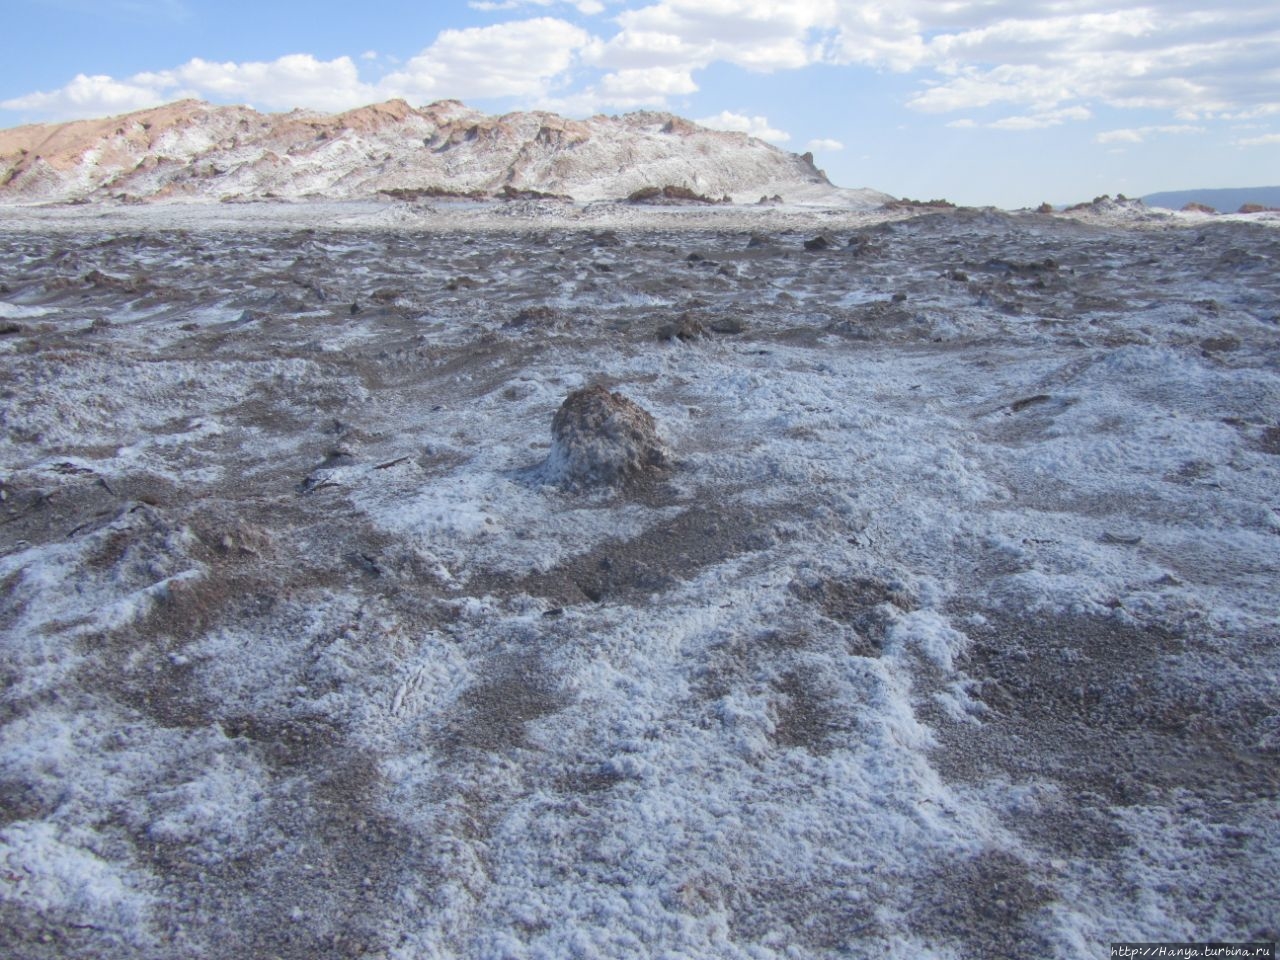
(193, 150)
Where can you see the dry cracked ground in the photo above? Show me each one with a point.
(947, 630)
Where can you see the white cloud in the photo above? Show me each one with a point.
(586, 7)
(740, 123)
(633, 88)
(516, 59)
(1265, 140)
(1140, 134)
(1188, 58)
(963, 124)
(755, 34)
(1044, 61)
(88, 97)
(1039, 121)
(823, 145)
(296, 80)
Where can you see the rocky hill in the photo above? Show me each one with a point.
(1224, 200)
(196, 151)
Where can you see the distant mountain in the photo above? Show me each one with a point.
(1224, 201)
(193, 150)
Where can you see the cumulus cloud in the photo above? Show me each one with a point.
(646, 87)
(87, 97)
(516, 59)
(1190, 58)
(753, 34)
(823, 145)
(297, 80)
(740, 123)
(1043, 62)
(585, 7)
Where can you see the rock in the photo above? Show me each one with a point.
(728, 325)
(601, 439)
(671, 193)
(820, 242)
(1196, 207)
(687, 328)
(537, 318)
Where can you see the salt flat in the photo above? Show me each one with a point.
(948, 630)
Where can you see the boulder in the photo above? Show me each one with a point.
(602, 439)
(687, 327)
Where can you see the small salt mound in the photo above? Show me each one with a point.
(601, 439)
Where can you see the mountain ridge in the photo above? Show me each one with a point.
(1222, 199)
(192, 150)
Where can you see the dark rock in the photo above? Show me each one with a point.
(727, 325)
(671, 194)
(509, 192)
(1223, 344)
(1019, 405)
(906, 203)
(8, 327)
(820, 242)
(686, 328)
(102, 280)
(539, 318)
(601, 439)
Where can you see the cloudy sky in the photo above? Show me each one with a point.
(1006, 102)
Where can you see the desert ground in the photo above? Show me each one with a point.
(947, 628)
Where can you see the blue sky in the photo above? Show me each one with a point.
(1006, 102)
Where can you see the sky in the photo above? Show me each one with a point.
(982, 102)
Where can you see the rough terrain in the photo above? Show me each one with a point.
(945, 628)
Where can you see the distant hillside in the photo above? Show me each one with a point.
(1224, 201)
(194, 151)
